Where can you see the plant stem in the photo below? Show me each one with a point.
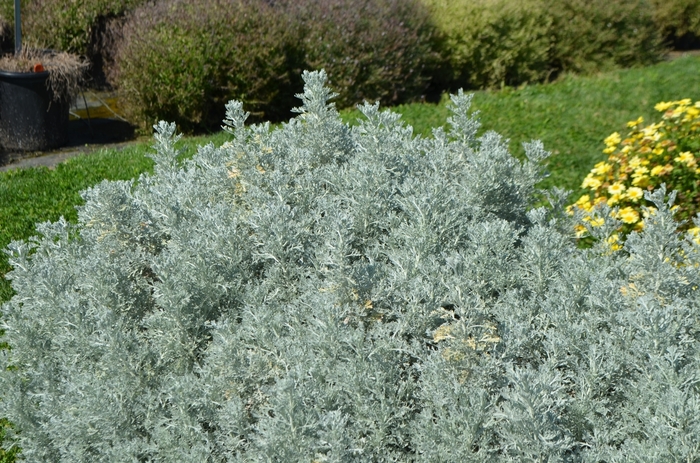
(18, 29)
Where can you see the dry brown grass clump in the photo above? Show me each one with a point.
(65, 69)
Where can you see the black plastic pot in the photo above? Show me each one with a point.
(29, 118)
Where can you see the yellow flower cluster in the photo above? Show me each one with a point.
(694, 234)
(667, 151)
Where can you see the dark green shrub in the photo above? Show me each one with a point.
(595, 35)
(679, 21)
(182, 60)
(373, 49)
(492, 42)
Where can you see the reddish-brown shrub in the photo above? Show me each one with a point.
(181, 61)
(370, 49)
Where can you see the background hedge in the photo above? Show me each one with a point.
(488, 43)
(80, 27)
(372, 49)
(491, 42)
(181, 60)
(596, 35)
(679, 21)
(5, 34)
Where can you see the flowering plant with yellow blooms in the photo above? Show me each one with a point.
(667, 152)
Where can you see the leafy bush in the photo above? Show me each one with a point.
(492, 42)
(679, 21)
(666, 152)
(325, 293)
(66, 25)
(6, 41)
(373, 49)
(182, 60)
(595, 35)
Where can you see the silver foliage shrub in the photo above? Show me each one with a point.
(322, 293)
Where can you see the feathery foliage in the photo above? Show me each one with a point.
(325, 293)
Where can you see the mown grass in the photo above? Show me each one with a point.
(571, 116)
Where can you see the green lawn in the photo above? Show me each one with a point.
(571, 116)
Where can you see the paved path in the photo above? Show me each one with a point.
(53, 158)
(104, 129)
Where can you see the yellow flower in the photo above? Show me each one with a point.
(616, 189)
(692, 112)
(634, 194)
(678, 111)
(580, 230)
(663, 106)
(614, 242)
(651, 210)
(585, 199)
(626, 149)
(686, 157)
(658, 151)
(588, 207)
(640, 172)
(591, 182)
(694, 234)
(584, 202)
(614, 199)
(628, 215)
(594, 221)
(635, 123)
(635, 162)
(640, 180)
(601, 168)
(609, 150)
(613, 140)
(661, 170)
